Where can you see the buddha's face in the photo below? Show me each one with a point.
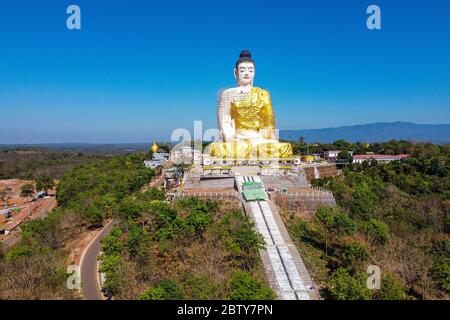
(245, 73)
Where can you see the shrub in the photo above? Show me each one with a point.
(197, 221)
(242, 286)
(165, 233)
(363, 200)
(441, 273)
(325, 216)
(111, 244)
(241, 241)
(136, 243)
(17, 252)
(163, 290)
(94, 216)
(441, 248)
(129, 209)
(343, 286)
(377, 230)
(109, 267)
(353, 254)
(447, 224)
(335, 221)
(107, 204)
(200, 288)
(163, 212)
(153, 294)
(391, 288)
(154, 194)
(344, 225)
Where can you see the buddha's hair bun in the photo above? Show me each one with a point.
(244, 56)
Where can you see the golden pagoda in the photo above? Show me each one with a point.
(154, 147)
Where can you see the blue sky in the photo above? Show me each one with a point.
(139, 69)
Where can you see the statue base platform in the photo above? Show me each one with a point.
(208, 160)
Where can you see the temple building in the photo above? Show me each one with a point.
(380, 158)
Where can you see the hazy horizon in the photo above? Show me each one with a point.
(167, 140)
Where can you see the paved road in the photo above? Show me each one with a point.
(88, 266)
(88, 263)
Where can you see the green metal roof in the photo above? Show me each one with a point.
(254, 194)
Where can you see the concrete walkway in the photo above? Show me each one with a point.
(284, 267)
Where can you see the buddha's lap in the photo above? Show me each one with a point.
(267, 148)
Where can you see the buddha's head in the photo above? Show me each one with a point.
(245, 69)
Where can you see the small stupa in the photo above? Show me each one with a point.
(154, 147)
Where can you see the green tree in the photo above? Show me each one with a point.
(377, 231)
(344, 155)
(165, 215)
(447, 223)
(332, 223)
(353, 254)
(111, 244)
(17, 252)
(344, 286)
(242, 286)
(154, 194)
(343, 224)
(198, 219)
(109, 266)
(27, 190)
(441, 273)
(155, 293)
(241, 241)
(391, 288)
(94, 216)
(129, 209)
(44, 183)
(200, 288)
(136, 243)
(164, 290)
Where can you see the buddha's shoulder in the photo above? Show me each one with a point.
(230, 91)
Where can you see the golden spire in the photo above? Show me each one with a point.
(154, 147)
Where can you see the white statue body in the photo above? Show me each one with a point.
(244, 77)
(246, 120)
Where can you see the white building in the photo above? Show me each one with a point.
(380, 158)
(186, 154)
(158, 159)
(331, 154)
(160, 156)
(334, 154)
(153, 164)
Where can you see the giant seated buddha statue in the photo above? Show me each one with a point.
(246, 120)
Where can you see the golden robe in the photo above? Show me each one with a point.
(254, 123)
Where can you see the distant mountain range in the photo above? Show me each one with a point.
(374, 132)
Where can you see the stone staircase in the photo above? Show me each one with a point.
(285, 269)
